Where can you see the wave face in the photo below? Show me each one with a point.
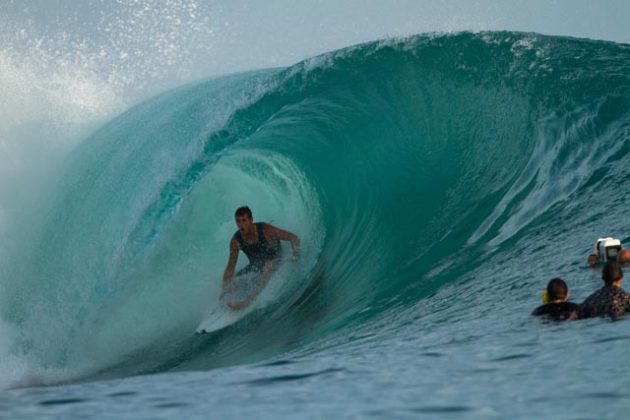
(405, 166)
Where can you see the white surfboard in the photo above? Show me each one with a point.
(221, 316)
(217, 320)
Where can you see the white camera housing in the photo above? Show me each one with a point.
(607, 249)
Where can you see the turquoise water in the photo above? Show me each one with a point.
(437, 182)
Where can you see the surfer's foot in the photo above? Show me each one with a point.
(236, 306)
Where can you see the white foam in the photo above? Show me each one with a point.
(60, 79)
(14, 368)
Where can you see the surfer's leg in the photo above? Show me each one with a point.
(246, 270)
(229, 287)
(267, 270)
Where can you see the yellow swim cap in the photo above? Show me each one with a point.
(545, 297)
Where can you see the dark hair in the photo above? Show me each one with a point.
(611, 273)
(557, 289)
(243, 211)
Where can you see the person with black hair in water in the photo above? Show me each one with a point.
(611, 300)
(261, 243)
(557, 306)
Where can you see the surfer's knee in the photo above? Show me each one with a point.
(269, 266)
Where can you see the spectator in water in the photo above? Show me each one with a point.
(557, 306)
(611, 300)
(623, 257)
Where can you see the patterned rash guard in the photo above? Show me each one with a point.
(608, 301)
(258, 253)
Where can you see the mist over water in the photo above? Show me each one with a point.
(64, 70)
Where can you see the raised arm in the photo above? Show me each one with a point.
(229, 270)
(284, 235)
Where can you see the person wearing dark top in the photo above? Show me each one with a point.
(611, 300)
(261, 243)
(558, 308)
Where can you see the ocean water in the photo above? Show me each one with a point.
(437, 183)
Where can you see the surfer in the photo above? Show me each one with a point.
(556, 304)
(261, 243)
(611, 299)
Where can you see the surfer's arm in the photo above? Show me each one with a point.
(229, 270)
(284, 235)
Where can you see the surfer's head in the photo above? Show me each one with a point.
(624, 256)
(557, 290)
(244, 219)
(612, 274)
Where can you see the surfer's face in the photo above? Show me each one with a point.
(243, 223)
